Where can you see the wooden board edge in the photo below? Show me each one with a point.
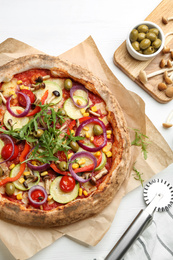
(162, 101)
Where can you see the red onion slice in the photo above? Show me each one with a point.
(37, 203)
(73, 89)
(38, 168)
(96, 121)
(25, 112)
(78, 155)
(9, 138)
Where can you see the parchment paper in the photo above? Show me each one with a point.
(24, 242)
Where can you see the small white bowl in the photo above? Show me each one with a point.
(143, 57)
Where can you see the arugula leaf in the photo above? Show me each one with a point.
(52, 139)
(138, 175)
(140, 141)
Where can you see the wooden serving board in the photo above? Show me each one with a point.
(132, 67)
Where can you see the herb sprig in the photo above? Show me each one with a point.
(51, 141)
(140, 140)
(138, 175)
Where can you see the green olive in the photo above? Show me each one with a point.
(135, 45)
(141, 36)
(140, 51)
(149, 50)
(39, 133)
(62, 111)
(143, 28)
(151, 36)
(68, 84)
(74, 146)
(1, 172)
(144, 44)
(156, 44)
(9, 188)
(97, 130)
(133, 35)
(62, 166)
(0, 100)
(154, 30)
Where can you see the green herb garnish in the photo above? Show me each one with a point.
(52, 139)
(140, 141)
(138, 175)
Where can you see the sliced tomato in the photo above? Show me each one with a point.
(98, 140)
(7, 151)
(37, 195)
(22, 100)
(67, 183)
(22, 166)
(61, 156)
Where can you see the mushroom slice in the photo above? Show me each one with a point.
(46, 180)
(29, 179)
(98, 176)
(3, 98)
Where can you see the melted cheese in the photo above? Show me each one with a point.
(9, 87)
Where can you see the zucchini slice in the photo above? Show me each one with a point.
(60, 196)
(19, 185)
(50, 86)
(1, 146)
(16, 122)
(88, 161)
(71, 110)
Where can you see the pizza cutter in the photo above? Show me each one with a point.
(158, 195)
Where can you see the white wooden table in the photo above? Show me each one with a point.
(55, 26)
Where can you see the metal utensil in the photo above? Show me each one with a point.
(158, 195)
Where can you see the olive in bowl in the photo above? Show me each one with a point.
(145, 41)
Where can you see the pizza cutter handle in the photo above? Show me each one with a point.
(130, 235)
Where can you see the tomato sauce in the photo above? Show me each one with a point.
(66, 93)
(26, 76)
(27, 79)
(47, 206)
(12, 198)
(94, 98)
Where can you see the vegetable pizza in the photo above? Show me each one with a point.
(64, 143)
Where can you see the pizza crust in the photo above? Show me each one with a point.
(80, 208)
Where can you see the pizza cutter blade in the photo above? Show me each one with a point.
(158, 195)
